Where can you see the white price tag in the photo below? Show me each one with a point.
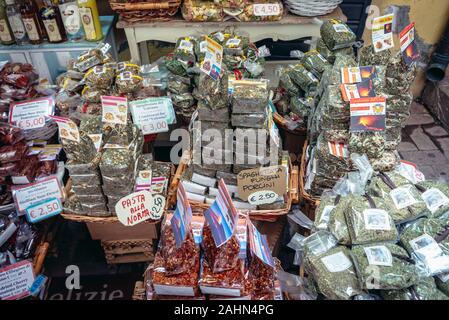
(153, 115)
(262, 197)
(267, 9)
(139, 207)
(16, 280)
(44, 210)
(31, 114)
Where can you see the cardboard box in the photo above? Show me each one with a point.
(117, 231)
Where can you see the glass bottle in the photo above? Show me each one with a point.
(71, 17)
(6, 36)
(90, 19)
(29, 12)
(16, 23)
(52, 20)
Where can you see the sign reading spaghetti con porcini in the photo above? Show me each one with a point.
(262, 179)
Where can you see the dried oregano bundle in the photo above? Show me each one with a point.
(391, 186)
(337, 35)
(334, 274)
(424, 290)
(436, 196)
(384, 267)
(369, 221)
(370, 143)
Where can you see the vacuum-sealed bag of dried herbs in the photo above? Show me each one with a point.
(337, 35)
(256, 121)
(236, 45)
(330, 55)
(176, 66)
(286, 82)
(426, 289)
(324, 211)
(117, 162)
(83, 151)
(178, 84)
(185, 49)
(315, 63)
(370, 143)
(436, 196)
(384, 267)
(337, 224)
(391, 186)
(100, 77)
(214, 93)
(249, 97)
(428, 243)
(334, 273)
(368, 57)
(369, 221)
(303, 78)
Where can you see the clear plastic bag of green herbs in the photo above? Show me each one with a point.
(337, 221)
(436, 196)
(368, 57)
(315, 63)
(323, 212)
(334, 273)
(178, 84)
(442, 282)
(426, 290)
(370, 143)
(337, 35)
(330, 55)
(185, 49)
(384, 266)
(303, 78)
(428, 243)
(83, 151)
(249, 97)
(391, 186)
(286, 82)
(369, 221)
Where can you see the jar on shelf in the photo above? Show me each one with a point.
(71, 18)
(15, 22)
(90, 20)
(6, 35)
(52, 20)
(30, 17)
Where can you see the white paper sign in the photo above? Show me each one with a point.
(138, 207)
(262, 197)
(37, 192)
(114, 109)
(336, 262)
(266, 9)
(16, 280)
(31, 114)
(153, 115)
(382, 33)
(376, 219)
(379, 256)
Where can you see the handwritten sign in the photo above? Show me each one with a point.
(31, 114)
(16, 280)
(35, 193)
(272, 178)
(139, 207)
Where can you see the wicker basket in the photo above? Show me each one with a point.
(309, 202)
(145, 11)
(128, 251)
(312, 8)
(261, 215)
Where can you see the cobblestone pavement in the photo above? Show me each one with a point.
(426, 143)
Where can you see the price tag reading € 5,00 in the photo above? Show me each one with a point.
(44, 210)
(262, 197)
(31, 114)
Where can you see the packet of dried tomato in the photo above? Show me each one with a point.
(229, 283)
(183, 284)
(220, 242)
(178, 247)
(262, 267)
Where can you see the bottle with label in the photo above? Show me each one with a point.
(72, 20)
(52, 20)
(29, 12)
(6, 36)
(90, 19)
(15, 22)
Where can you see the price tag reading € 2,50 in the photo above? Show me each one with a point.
(262, 197)
(44, 210)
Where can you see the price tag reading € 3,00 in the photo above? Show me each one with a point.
(44, 210)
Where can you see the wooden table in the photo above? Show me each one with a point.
(290, 27)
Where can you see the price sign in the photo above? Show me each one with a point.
(44, 210)
(262, 197)
(139, 207)
(31, 114)
(264, 179)
(33, 194)
(266, 9)
(16, 280)
(153, 115)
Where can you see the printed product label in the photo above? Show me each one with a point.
(266, 9)
(340, 28)
(326, 214)
(4, 31)
(402, 197)
(88, 23)
(336, 262)
(338, 149)
(203, 46)
(17, 27)
(96, 139)
(426, 246)
(185, 45)
(31, 28)
(368, 114)
(115, 109)
(435, 199)
(54, 35)
(379, 256)
(382, 33)
(376, 219)
(70, 17)
(408, 45)
(144, 177)
(233, 42)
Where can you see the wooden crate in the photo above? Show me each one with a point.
(128, 251)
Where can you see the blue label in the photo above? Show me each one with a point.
(52, 211)
(38, 284)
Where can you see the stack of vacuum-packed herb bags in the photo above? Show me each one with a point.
(240, 57)
(358, 108)
(103, 143)
(379, 236)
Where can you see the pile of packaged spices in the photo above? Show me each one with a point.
(185, 83)
(245, 11)
(102, 141)
(204, 258)
(358, 108)
(378, 236)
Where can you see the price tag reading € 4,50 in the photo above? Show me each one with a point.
(138, 207)
(31, 114)
(44, 210)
